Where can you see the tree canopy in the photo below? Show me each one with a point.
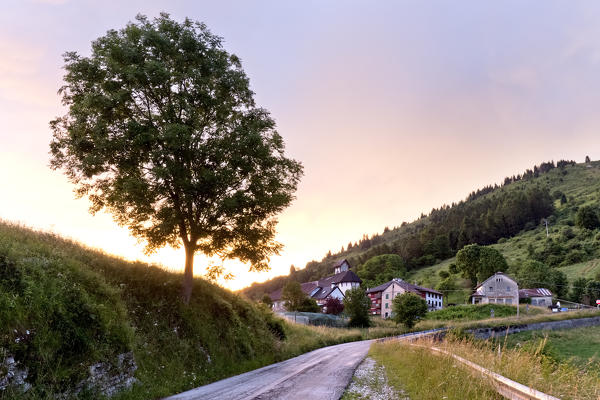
(587, 217)
(477, 263)
(293, 296)
(407, 308)
(162, 131)
(357, 305)
(535, 274)
(380, 269)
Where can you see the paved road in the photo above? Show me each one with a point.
(322, 374)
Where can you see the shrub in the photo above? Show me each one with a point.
(333, 306)
(357, 305)
(587, 217)
(407, 308)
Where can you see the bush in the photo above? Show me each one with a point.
(308, 305)
(333, 306)
(574, 257)
(587, 217)
(407, 308)
(357, 306)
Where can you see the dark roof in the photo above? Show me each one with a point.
(539, 292)
(276, 295)
(405, 285)
(319, 289)
(380, 288)
(345, 276)
(339, 263)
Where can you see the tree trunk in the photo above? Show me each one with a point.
(188, 274)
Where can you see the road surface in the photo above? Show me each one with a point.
(322, 374)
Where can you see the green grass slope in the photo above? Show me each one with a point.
(64, 307)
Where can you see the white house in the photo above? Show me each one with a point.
(333, 286)
(498, 288)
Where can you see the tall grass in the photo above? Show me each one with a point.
(530, 366)
(65, 307)
(424, 376)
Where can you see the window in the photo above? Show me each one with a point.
(508, 288)
(387, 305)
(387, 295)
(491, 288)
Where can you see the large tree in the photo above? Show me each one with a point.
(477, 263)
(380, 269)
(162, 131)
(293, 296)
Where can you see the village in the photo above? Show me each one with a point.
(499, 288)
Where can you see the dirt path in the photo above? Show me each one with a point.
(322, 374)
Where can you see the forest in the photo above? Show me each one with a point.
(486, 215)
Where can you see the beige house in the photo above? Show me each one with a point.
(498, 288)
(382, 296)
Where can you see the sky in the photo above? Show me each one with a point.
(393, 107)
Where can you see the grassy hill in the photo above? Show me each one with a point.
(65, 308)
(508, 217)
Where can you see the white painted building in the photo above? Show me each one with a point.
(334, 286)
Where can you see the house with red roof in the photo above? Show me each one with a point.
(334, 286)
(382, 296)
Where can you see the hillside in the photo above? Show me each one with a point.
(509, 217)
(65, 308)
(72, 317)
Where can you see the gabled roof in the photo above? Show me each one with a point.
(539, 292)
(319, 290)
(380, 288)
(409, 287)
(494, 276)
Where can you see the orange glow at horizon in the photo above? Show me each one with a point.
(393, 109)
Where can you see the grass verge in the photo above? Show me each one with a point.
(423, 375)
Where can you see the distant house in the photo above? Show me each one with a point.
(381, 296)
(539, 297)
(333, 286)
(498, 288)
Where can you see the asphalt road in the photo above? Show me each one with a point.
(322, 374)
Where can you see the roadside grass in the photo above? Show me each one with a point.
(423, 375)
(529, 365)
(578, 346)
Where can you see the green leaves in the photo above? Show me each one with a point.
(162, 130)
(477, 263)
(408, 307)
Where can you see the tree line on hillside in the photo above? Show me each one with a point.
(484, 217)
